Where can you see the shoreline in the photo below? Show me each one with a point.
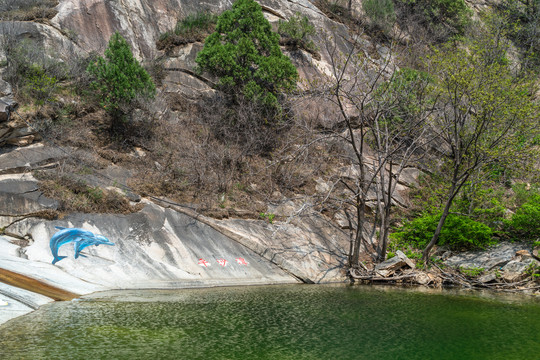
(385, 286)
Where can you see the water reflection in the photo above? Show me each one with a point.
(278, 322)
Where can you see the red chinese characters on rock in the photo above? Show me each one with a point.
(222, 262)
(241, 261)
(204, 263)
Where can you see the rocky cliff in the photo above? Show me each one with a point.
(165, 244)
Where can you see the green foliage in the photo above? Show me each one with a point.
(482, 201)
(381, 13)
(267, 216)
(458, 233)
(297, 31)
(119, 78)
(533, 270)
(245, 55)
(524, 192)
(494, 115)
(192, 28)
(521, 21)
(406, 91)
(442, 18)
(526, 220)
(33, 74)
(420, 264)
(411, 254)
(471, 271)
(39, 85)
(195, 23)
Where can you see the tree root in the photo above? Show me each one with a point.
(47, 214)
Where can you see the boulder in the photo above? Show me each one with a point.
(487, 278)
(5, 88)
(7, 106)
(523, 255)
(423, 278)
(516, 266)
(494, 257)
(515, 270)
(404, 257)
(387, 267)
(154, 248)
(409, 176)
(512, 276)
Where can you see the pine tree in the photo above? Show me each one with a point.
(119, 78)
(245, 55)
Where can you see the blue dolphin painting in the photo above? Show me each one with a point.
(80, 237)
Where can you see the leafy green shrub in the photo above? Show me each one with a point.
(381, 13)
(458, 233)
(526, 220)
(119, 78)
(521, 20)
(471, 272)
(245, 55)
(39, 85)
(267, 216)
(533, 270)
(524, 192)
(32, 73)
(296, 32)
(482, 201)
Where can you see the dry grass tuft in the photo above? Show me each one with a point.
(76, 196)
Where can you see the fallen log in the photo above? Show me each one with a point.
(30, 284)
(380, 278)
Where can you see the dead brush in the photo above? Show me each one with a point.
(75, 195)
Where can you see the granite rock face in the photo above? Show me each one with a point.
(141, 22)
(155, 248)
(496, 257)
(506, 262)
(158, 247)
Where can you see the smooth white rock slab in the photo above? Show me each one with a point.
(12, 310)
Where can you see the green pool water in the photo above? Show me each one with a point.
(279, 322)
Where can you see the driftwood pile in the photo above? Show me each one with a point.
(401, 269)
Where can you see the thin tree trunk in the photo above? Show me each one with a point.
(435, 238)
(359, 231)
(385, 223)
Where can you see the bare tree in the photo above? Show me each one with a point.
(383, 122)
